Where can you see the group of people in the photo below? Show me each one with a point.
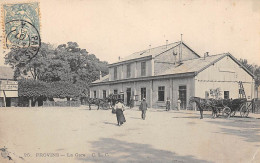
(119, 107)
(168, 104)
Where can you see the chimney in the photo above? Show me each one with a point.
(100, 75)
(206, 54)
(149, 47)
(119, 58)
(166, 43)
(180, 50)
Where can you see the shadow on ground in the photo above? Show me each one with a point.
(195, 116)
(135, 118)
(113, 150)
(189, 117)
(247, 128)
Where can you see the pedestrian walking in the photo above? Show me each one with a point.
(143, 108)
(119, 112)
(168, 104)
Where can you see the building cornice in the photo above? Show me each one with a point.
(147, 78)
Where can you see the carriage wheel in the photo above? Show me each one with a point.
(244, 111)
(233, 113)
(226, 112)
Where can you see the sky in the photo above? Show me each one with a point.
(113, 28)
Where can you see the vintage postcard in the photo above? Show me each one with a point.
(131, 81)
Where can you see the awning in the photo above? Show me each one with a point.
(9, 93)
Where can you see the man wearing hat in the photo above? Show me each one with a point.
(143, 108)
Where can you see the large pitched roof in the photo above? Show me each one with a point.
(6, 72)
(199, 64)
(149, 52)
(193, 65)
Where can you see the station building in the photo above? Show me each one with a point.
(174, 71)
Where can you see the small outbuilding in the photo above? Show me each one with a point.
(8, 88)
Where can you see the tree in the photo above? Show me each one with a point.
(66, 63)
(23, 67)
(254, 69)
(83, 68)
(36, 89)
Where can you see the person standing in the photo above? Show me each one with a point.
(119, 112)
(143, 108)
(131, 103)
(179, 104)
(168, 104)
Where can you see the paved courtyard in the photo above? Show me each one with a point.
(82, 135)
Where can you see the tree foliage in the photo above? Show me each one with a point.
(37, 88)
(66, 63)
(254, 69)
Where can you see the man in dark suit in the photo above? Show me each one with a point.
(143, 108)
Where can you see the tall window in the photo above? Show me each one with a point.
(143, 68)
(115, 73)
(115, 91)
(226, 94)
(128, 69)
(143, 93)
(104, 93)
(95, 94)
(161, 93)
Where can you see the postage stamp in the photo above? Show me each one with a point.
(21, 27)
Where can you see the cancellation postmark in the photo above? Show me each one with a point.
(21, 24)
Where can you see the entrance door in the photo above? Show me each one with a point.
(128, 96)
(8, 101)
(183, 96)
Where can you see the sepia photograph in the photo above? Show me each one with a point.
(130, 81)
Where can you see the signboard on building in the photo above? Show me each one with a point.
(8, 85)
(8, 88)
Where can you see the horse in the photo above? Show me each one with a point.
(91, 101)
(203, 104)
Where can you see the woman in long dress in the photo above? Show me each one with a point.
(119, 113)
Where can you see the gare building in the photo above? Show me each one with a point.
(174, 71)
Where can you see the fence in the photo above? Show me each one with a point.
(61, 104)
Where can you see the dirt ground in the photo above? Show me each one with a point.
(81, 135)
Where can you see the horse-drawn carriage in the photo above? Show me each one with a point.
(229, 107)
(105, 103)
(226, 107)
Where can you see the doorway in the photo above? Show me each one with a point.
(8, 101)
(183, 96)
(128, 96)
